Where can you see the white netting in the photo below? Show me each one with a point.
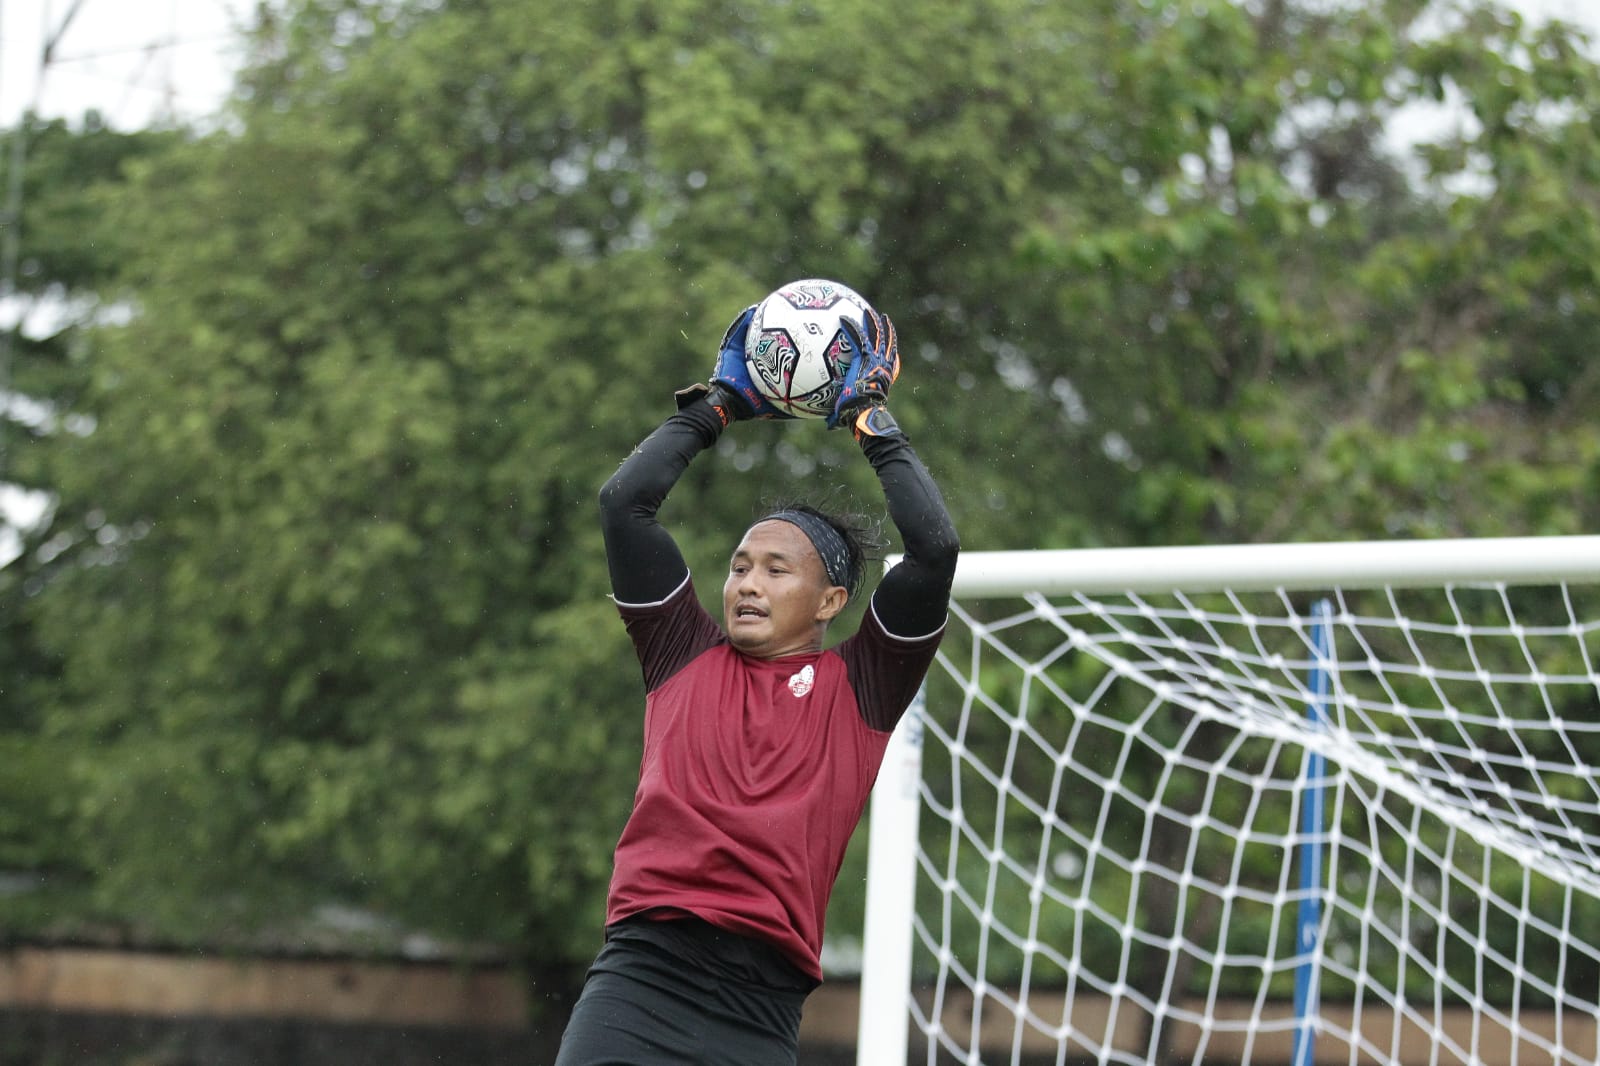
(1112, 829)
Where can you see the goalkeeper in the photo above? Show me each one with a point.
(760, 748)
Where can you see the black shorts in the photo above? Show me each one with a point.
(684, 993)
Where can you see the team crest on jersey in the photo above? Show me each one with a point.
(801, 683)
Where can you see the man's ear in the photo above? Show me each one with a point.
(834, 598)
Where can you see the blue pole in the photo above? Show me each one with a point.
(1313, 840)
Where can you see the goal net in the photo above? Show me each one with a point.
(1265, 804)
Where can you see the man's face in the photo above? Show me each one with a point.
(778, 599)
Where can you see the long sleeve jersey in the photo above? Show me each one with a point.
(755, 772)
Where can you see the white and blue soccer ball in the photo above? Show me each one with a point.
(796, 351)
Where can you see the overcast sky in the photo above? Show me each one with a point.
(134, 60)
(139, 60)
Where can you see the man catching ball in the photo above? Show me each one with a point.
(760, 747)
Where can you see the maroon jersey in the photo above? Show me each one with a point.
(755, 772)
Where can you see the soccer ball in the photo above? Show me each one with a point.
(796, 350)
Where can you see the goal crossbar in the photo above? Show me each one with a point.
(1264, 567)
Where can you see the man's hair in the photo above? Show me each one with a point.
(862, 535)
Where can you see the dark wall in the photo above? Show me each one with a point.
(37, 1038)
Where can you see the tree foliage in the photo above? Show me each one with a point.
(58, 287)
(326, 619)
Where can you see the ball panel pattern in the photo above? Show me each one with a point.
(795, 350)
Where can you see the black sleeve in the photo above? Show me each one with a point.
(645, 563)
(913, 597)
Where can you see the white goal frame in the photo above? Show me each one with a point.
(886, 979)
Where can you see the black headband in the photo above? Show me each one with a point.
(829, 544)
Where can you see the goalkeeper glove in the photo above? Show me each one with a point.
(873, 368)
(731, 391)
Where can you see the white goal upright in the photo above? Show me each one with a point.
(1316, 803)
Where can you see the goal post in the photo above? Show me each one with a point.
(1260, 803)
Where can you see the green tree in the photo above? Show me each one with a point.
(1297, 333)
(343, 631)
(62, 258)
